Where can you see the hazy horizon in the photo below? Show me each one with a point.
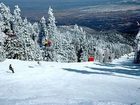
(56, 4)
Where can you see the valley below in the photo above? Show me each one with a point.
(120, 18)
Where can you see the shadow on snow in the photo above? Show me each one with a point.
(84, 71)
(108, 72)
(132, 72)
(128, 68)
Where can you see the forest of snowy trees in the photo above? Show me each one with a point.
(20, 39)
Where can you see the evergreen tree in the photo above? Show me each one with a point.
(43, 34)
(80, 43)
(84, 45)
(17, 22)
(17, 15)
(106, 55)
(2, 40)
(92, 47)
(67, 52)
(6, 17)
(30, 49)
(53, 36)
(36, 32)
(52, 29)
(137, 48)
(70, 50)
(13, 48)
(5, 11)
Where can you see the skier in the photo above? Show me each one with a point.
(11, 68)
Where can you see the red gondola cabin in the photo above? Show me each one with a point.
(91, 59)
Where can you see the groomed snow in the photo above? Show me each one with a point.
(89, 83)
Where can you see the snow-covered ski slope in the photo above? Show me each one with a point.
(49, 83)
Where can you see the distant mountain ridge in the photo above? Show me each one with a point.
(101, 15)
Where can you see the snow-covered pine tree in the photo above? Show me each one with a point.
(69, 48)
(53, 36)
(137, 48)
(106, 56)
(33, 35)
(11, 43)
(71, 53)
(110, 56)
(43, 40)
(17, 22)
(84, 45)
(80, 43)
(5, 11)
(67, 52)
(62, 55)
(36, 31)
(43, 33)
(117, 50)
(14, 44)
(6, 17)
(52, 28)
(100, 50)
(1, 23)
(30, 49)
(2, 40)
(92, 47)
(13, 48)
(17, 16)
(99, 54)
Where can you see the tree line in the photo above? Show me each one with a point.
(44, 41)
